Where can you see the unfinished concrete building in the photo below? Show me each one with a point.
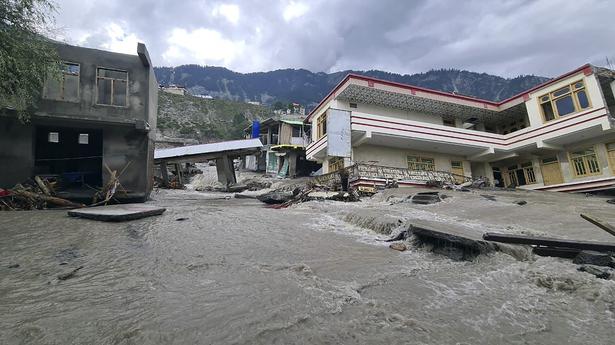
(99, 116)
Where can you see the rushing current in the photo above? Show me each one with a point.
(235, 272)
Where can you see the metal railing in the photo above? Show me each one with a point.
(371, 171)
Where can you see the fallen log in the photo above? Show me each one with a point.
(599, 223)
(549, 242)
(42, 185)
(46, 198)
(566, 253)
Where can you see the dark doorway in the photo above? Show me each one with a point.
(74, 155)
(520, 177)
(497, 177)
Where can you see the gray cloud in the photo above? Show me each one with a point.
(507, 38)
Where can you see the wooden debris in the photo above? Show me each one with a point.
(70, 274)
(42, 185)
(599, 223)
(45, 198)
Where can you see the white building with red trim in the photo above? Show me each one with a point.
(557, 136)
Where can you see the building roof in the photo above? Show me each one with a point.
(293, 122)
(202, 149)
(449, 97)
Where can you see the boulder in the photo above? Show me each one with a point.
(599, 272)
(590, 257)
(398, 246)
(275, 197)
(426, 198)
(521, 202)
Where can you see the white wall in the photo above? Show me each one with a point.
(398, 158)
(591, 85)
(392, 112)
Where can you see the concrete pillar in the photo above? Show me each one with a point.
(178, 170)
(292, 164)
(226, 171)
(165, 173)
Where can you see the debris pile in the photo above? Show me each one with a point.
(39, 193)
(32, 196)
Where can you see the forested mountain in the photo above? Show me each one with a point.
(308, 88)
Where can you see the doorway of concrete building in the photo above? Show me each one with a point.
(457, 169)
(497, 178)
(73, 155)
(551, 171)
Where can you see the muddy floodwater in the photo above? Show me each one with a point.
(234, 272)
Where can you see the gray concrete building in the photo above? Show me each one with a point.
(100, 114)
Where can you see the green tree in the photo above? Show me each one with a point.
(27, 58)
(278, 106)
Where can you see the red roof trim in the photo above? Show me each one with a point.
(586, 69)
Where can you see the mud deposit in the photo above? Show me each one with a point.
(233, 272)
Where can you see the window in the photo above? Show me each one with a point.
(549, 160)
(67, 87)
(321, 126)
(528, 171)
(564, 101)
(421, 163)
(336, 163)
(296, 132)
(53, 137)
(111, 87)
(84, 138)
(521, 176)
(449, 122)
(610, 148)
(584, 162)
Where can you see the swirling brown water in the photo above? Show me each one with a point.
(238, 273)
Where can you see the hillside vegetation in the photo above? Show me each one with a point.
(307, 88)
(206, 120)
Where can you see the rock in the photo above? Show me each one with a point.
(398, 246)
(181, 219)
(599, 272)
(488, 197)
(275, 197)
(237, 188)
(246, 196)
(70, 274)
(13, 266)
(405, 234)
(590, 257)
(426, 198)
(521, 202)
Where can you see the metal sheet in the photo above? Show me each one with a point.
(207, 148)
(338, 133)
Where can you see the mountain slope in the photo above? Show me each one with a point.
(205, 120)
(308, 88)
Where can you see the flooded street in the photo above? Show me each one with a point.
(237, 273)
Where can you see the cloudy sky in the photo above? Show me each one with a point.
(507, 38)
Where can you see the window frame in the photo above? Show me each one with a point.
(586, 165)
(572, 92)
(608, 156)
(451, 122)
(335, 164)
(425, 166)
(112, 82)
(62, 82)
(321, 126)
